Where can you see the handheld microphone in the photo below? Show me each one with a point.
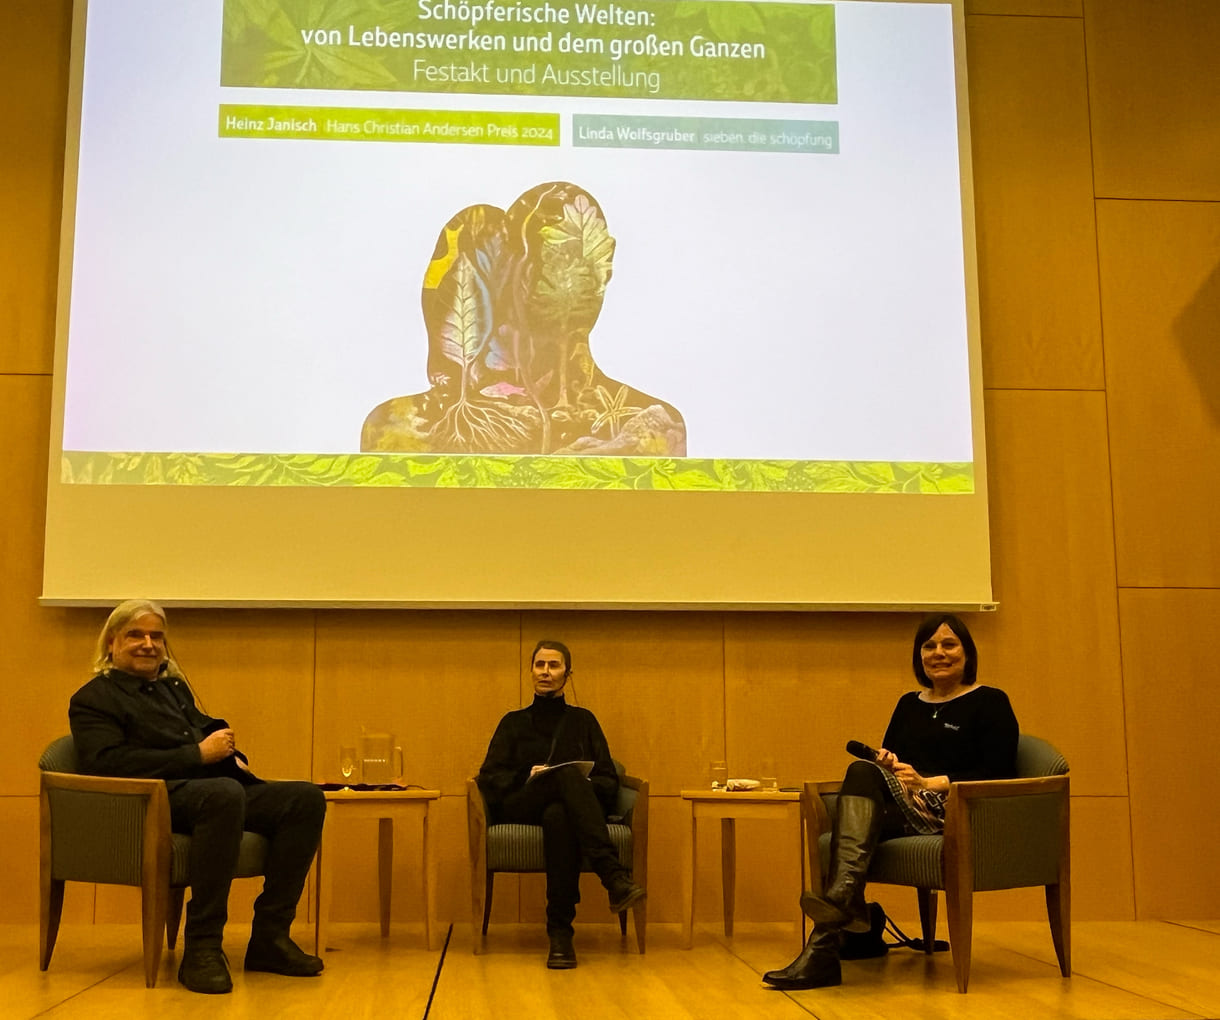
(860, 750)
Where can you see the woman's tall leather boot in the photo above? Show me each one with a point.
(854, 838)
(816, 967)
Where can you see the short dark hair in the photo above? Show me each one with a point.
(557, 646)
(929, 626)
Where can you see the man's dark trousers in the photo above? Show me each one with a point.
(214, 812)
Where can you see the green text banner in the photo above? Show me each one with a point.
(718, 50)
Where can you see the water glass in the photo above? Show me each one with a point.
(348, 765)
(767, 779)
(718, 773)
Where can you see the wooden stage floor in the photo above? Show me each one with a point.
(1138, 970)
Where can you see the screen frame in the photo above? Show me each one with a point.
(219, 546)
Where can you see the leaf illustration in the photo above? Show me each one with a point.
(583, 225)
(460, 336)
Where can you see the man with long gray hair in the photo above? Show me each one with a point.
(137, 718)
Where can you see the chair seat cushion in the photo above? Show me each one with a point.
(907, 860)
(512, 847)
(251, 858)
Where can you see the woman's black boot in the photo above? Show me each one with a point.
(857, 826)
(816, 967)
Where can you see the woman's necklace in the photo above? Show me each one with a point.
(938, 705)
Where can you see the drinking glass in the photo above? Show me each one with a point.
(347, 762)
(718, 773)
(767, 780)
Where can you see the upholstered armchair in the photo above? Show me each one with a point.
(999, 834)
(518, 848)
(115, 831)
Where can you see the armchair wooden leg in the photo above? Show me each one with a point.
(51, 908)
(478, 891)
(640, 914)
(173, 915)
(927, 917)
(491, 881)
(1059, 911)
(153, 903)
(960, 904)
(481, 893)
(385, 872)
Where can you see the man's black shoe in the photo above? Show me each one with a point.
(280, 955)
(205, 970)
(623, 894)
(563, 954)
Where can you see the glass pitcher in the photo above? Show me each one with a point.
(380, 759)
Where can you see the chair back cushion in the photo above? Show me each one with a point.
(60, 756)
(1036, 758)
(626, 801)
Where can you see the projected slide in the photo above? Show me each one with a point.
(530, 244)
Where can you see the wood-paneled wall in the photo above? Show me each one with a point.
(1097, 174)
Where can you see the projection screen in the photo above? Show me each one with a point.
(518, 303)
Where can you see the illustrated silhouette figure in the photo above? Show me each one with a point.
(509, 300)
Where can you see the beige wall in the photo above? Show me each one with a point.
(1097, 168)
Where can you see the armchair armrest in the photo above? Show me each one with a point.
(818, 822)
(103, 784)
(638, 822)
(630, 792)
(476, 826)
(979, 788)
(1005, 833)
(104, 829)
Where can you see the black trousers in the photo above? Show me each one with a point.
(215, 812)
(573, 824)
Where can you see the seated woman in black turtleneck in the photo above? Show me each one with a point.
(570, 808)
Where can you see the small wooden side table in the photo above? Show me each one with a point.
(728, 807)
(387, 806)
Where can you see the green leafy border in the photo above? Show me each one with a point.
(458, 471)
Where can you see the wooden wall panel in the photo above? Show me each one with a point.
(799, 686)
(655, 681)
(19, 866)
(1033, 8)
(253, 668)
(1053, 645)
(439, 681)
(356, 870)
(1103, 882)
(1173, 716)
(1029, 117)
(453, 861)
(34, 82)
(668, 820)
(1160, 265)
(59, 641)
(1153, 96)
